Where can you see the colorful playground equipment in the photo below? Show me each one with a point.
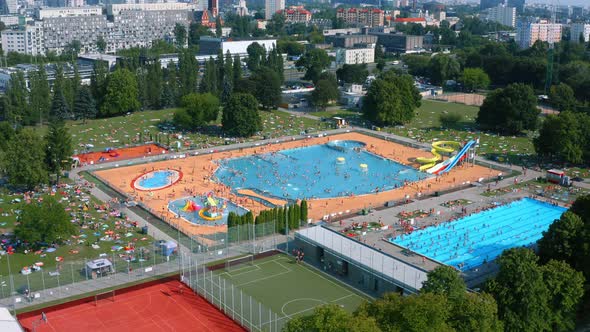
(430, 164)
(191, 206)
(213, 209)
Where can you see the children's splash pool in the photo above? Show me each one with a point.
(156, 180)
(205, 210)
(468, 242)
(335, 169)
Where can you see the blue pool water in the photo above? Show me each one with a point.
(157, 179)
(483, 236)
(316, 172)
(177, 206)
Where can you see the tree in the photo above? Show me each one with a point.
(209, 80)
(393, 312)
(564, 137)
(218, 26)
(58, 148)
(24, 160)
(445, 280)
(101, 44)
(520, 291)
(98, 81)
(566, 289)
(84, 106)
(188, 68)
(198, 110)
(240, 116)
(46, 222)
(326, 91)
(40, 96)
(121, 94)
(476, 312)
(16, 99)
(391, 99)
(276, 25)
(256, 56)
(442, 68)
(314, 61)
(562, 97)
(331, 318)
(196, 30)
(417, 64)
(153, 86)
(474, 79)
(180, 35)
(291, 47)
(510, 110)
(353, 73)
(581, 207)
(268, 87)
(237, 69)
(59, 107)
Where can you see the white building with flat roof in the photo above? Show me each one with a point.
(503, 15)
(580, 29)
(354, 56)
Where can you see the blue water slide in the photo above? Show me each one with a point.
(459, 156)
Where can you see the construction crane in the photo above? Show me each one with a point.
(551, 52)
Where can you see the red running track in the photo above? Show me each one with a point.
(158, 307)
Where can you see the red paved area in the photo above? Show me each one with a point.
(119, 154)
(157, 307)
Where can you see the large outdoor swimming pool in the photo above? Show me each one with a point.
(338, 168)
(468, 242)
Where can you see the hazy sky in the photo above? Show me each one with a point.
(584, 3)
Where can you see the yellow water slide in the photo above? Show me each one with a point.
(437, 148)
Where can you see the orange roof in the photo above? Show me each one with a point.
(410, 19)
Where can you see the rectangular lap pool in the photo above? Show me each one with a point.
(469, 241)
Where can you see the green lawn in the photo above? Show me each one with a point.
(286, 288)
(426, 127)
(543, 188)
(76, 250)
(142, 126)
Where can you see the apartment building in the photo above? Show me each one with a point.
(271, 7)
(353, 56)
(503, 14)
(296, 14)
(528, 33)
(580, 29)
(127, 26)
(361, 16)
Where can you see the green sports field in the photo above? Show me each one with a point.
(280, 289)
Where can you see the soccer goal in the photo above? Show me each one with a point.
(108, 296)
(239, 263)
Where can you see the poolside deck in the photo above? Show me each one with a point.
(198, 178)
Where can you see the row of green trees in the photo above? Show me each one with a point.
(275, 220)
(28, 160)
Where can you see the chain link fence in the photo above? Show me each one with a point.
(70, 278)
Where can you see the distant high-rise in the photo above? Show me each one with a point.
(580, 29)
(485, 4)
(12, 6)
(213, 7)
(518, 4)
(272, 6)
(503, 14)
